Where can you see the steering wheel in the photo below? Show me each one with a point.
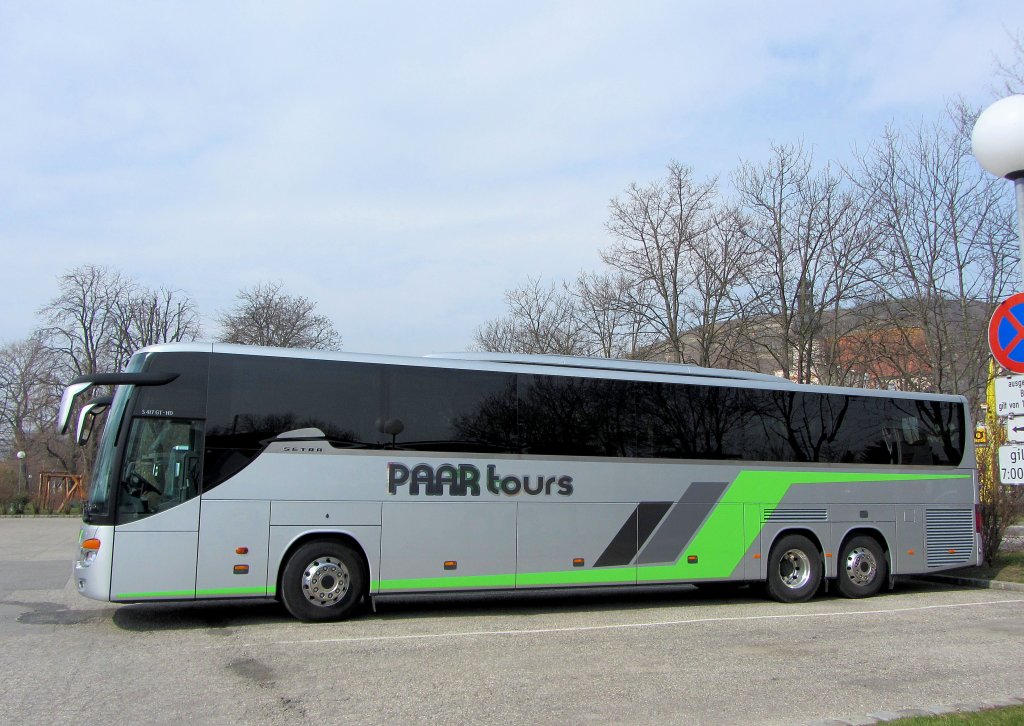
(134, 484)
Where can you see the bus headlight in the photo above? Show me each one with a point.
(89, 549)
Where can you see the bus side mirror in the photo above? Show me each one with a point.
(87, 418)
(67, 402)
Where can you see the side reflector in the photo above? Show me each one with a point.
(241, 569)
(828, 554)
(577, 562)
(910, 552)
(757, 556)
(91, 544)
(241, 550)
(451, 564)
(952, 552)
(691, 559)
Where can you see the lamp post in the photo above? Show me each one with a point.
(21, 472)
(998, 144)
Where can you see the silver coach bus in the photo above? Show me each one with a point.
(325, 480)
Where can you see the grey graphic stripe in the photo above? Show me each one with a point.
(682, 522)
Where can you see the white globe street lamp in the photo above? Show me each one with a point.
(998, 145)
(22, 486)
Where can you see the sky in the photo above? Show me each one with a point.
(403, 164)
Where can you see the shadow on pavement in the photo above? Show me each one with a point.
(229, 614)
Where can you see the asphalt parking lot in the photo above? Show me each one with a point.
(658, 655)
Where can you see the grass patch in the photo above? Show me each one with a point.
(1007, 566)
(1012, 716)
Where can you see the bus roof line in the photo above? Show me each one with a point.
(610, 364)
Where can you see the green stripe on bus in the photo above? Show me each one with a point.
(594, 576)
(235, 591)
(456, 582)
(716, 558)
(714, 545)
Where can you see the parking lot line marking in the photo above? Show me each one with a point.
(614, 626)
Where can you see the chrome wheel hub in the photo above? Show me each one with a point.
(794, 569)
(861, 566)
(325, 581)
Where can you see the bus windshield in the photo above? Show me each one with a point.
(99, 507)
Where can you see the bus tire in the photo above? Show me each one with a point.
(862, 568)
(794, 569)
(323, 580)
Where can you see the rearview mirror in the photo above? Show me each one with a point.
(87, 417)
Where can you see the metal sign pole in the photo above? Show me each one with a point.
(1018, 185)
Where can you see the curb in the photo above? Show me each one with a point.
(973, 582)
(40, 516)
(884, 716)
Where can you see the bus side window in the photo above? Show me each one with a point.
(161, 467)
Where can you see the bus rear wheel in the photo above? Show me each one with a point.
(322, 580)
(794, 569)
(862, 567)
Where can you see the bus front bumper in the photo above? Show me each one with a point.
(91, 570)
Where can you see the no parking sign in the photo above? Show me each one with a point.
(1006, 333)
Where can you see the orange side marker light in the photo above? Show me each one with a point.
(91, 544)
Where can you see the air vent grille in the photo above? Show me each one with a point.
(782, 514)
(949, 534)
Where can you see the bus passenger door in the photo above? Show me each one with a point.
(156, 537)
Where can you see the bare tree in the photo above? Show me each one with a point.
(611, 311)
(541, 319)
(720, 265)
(813, 259)
(147, 317)
(26, 391)
(266, 315)
(947, 231)
(101, 317)
(79, 324)
(1011, 72)
(29, 394)
(656, 227)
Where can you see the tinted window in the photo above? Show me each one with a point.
(681, 422)
(185, 396)
(927, 432)
(711, 422)
(577, 416)
(450, 410)
(826, 428)
(255, 399)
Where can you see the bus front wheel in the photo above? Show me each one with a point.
(323, 580)
(794, 569)
(862, 567)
